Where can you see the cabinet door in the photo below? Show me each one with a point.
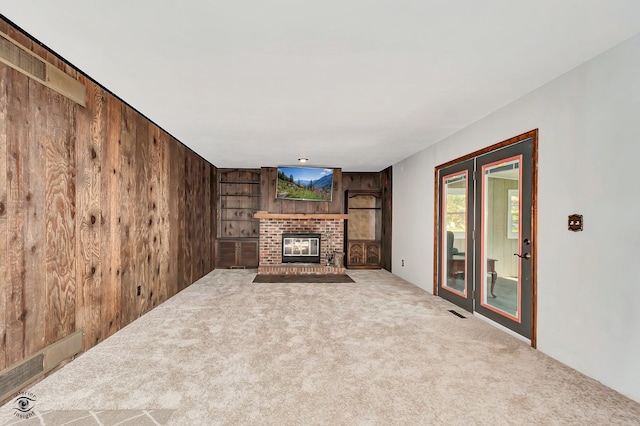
(372, 253)
(248, 254)
(226, 254)
(356, 254)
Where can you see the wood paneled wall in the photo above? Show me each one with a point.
(97, 204)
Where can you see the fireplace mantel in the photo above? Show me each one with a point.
(328, 216)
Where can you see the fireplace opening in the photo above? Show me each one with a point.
(300, 248)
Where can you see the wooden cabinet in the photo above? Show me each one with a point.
(364, 254)
(363, 229)
(238, 230)
(237, 253)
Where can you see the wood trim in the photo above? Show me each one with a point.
(532, 134)
(267, 215)
(534, 239)
(436, 228)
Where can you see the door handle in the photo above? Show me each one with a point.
(523, 256)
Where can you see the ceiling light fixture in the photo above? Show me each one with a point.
(302, 160)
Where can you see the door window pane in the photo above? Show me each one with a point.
(500, 269)
(454, 232)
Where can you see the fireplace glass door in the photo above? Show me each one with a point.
(301, 248)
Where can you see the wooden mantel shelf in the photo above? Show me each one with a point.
(267, 215)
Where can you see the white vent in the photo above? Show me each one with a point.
(23, 60)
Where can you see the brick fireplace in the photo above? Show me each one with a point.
(330, 227)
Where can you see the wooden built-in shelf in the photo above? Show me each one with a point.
(267, 215)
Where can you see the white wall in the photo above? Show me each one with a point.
(589, 163)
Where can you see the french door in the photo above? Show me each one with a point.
(485, 243)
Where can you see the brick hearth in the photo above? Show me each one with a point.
(299, 269)
(272, 226)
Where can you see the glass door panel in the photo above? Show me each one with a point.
(500, 275)
(503, 244)
(455, 259)
(454, 212)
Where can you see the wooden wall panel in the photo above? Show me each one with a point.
(60, 201)
(128, 287)
(176, 177)
(110, 313)
(215, 202)
(361, 181)
(89, 130)
(196, 223)
(95, 202)
(17, 190)
(142, 257)
(35, 241)
(159, 207)
(4, 255)
(188, 215)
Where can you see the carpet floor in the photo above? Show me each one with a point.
(379, 351)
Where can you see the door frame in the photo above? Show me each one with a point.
(533, 135)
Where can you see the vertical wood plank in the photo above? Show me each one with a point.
(213, 176)
(203, 223)
(89, 135)
(17, 189)
(215, 211)
(35, 274)
(4, 255)
(60, 225)
(188, 221)
(166, 264)
(127, 217)
(110, 203)
(198, 231)
(265, 194)
(337, 200)
(181, 180)
(175, 182)
(142, 257)
(154, 226)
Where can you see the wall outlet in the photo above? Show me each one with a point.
(139, 290)
(402, 262)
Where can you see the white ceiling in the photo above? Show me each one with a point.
(357, 84)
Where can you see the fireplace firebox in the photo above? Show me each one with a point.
(300, 248)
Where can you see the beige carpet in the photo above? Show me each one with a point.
(375, 352)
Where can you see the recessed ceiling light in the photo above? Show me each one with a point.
(302, 160)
